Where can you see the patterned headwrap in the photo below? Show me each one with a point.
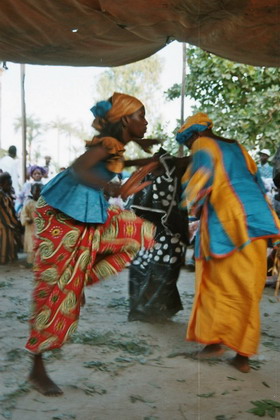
(33, 168)
(112, 111)
(194, 124)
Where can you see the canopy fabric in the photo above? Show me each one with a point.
(116, 32)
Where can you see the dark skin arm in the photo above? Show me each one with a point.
(145, 145)
(140, 162)
(181, 165)
(82, 166)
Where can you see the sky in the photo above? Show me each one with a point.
(66, 93)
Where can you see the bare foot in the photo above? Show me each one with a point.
(241, 363)
(212, 350)
(41, 381)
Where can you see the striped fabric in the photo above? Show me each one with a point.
(9, 229)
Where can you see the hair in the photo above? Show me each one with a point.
(108, 130)
(5, 176)
(112, 130)
(12, 151)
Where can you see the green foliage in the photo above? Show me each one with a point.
(242, 100)
(167, 141)
(263, 407)
(36, 129)
(208, 395)
(2, 152)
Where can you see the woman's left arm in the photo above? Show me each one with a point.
(141, 162)
(83, 169)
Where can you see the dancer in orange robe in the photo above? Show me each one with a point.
(223, 188)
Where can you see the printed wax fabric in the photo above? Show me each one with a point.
(223, 172)
(70, 255)
(153, 274)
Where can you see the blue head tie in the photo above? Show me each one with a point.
(101, 108)
(186, 134)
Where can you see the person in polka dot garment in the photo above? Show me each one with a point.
(154, 273)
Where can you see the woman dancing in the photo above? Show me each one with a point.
(80, 239)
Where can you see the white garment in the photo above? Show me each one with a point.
(52, 172)
(269, 187)
(11, 165)
(26, 191)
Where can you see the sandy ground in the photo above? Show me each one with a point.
(114, 369)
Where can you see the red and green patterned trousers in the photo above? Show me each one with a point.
(70, 255)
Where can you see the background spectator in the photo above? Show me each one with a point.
(36, 174)
(49, 168)
(10, 227)
(266, 170)
(10, 164)
(27, 220)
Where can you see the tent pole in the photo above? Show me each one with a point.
(23, 120)
(1, 72)
(183, 89)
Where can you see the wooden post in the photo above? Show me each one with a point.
(183, 89)
(23, 120)
(1, 72)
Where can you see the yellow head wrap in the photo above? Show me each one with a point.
(122, 105)
(112, 111)
(194, 124)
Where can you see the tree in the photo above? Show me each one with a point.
(65, 128)
(34, 129)
(140, 79)
(242, 100)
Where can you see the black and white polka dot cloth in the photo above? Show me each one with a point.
(167, 250)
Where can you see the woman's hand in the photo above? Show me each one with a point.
(134, 183)
(112, 189)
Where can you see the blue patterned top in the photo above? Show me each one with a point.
(265, 170)
(66, 193)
